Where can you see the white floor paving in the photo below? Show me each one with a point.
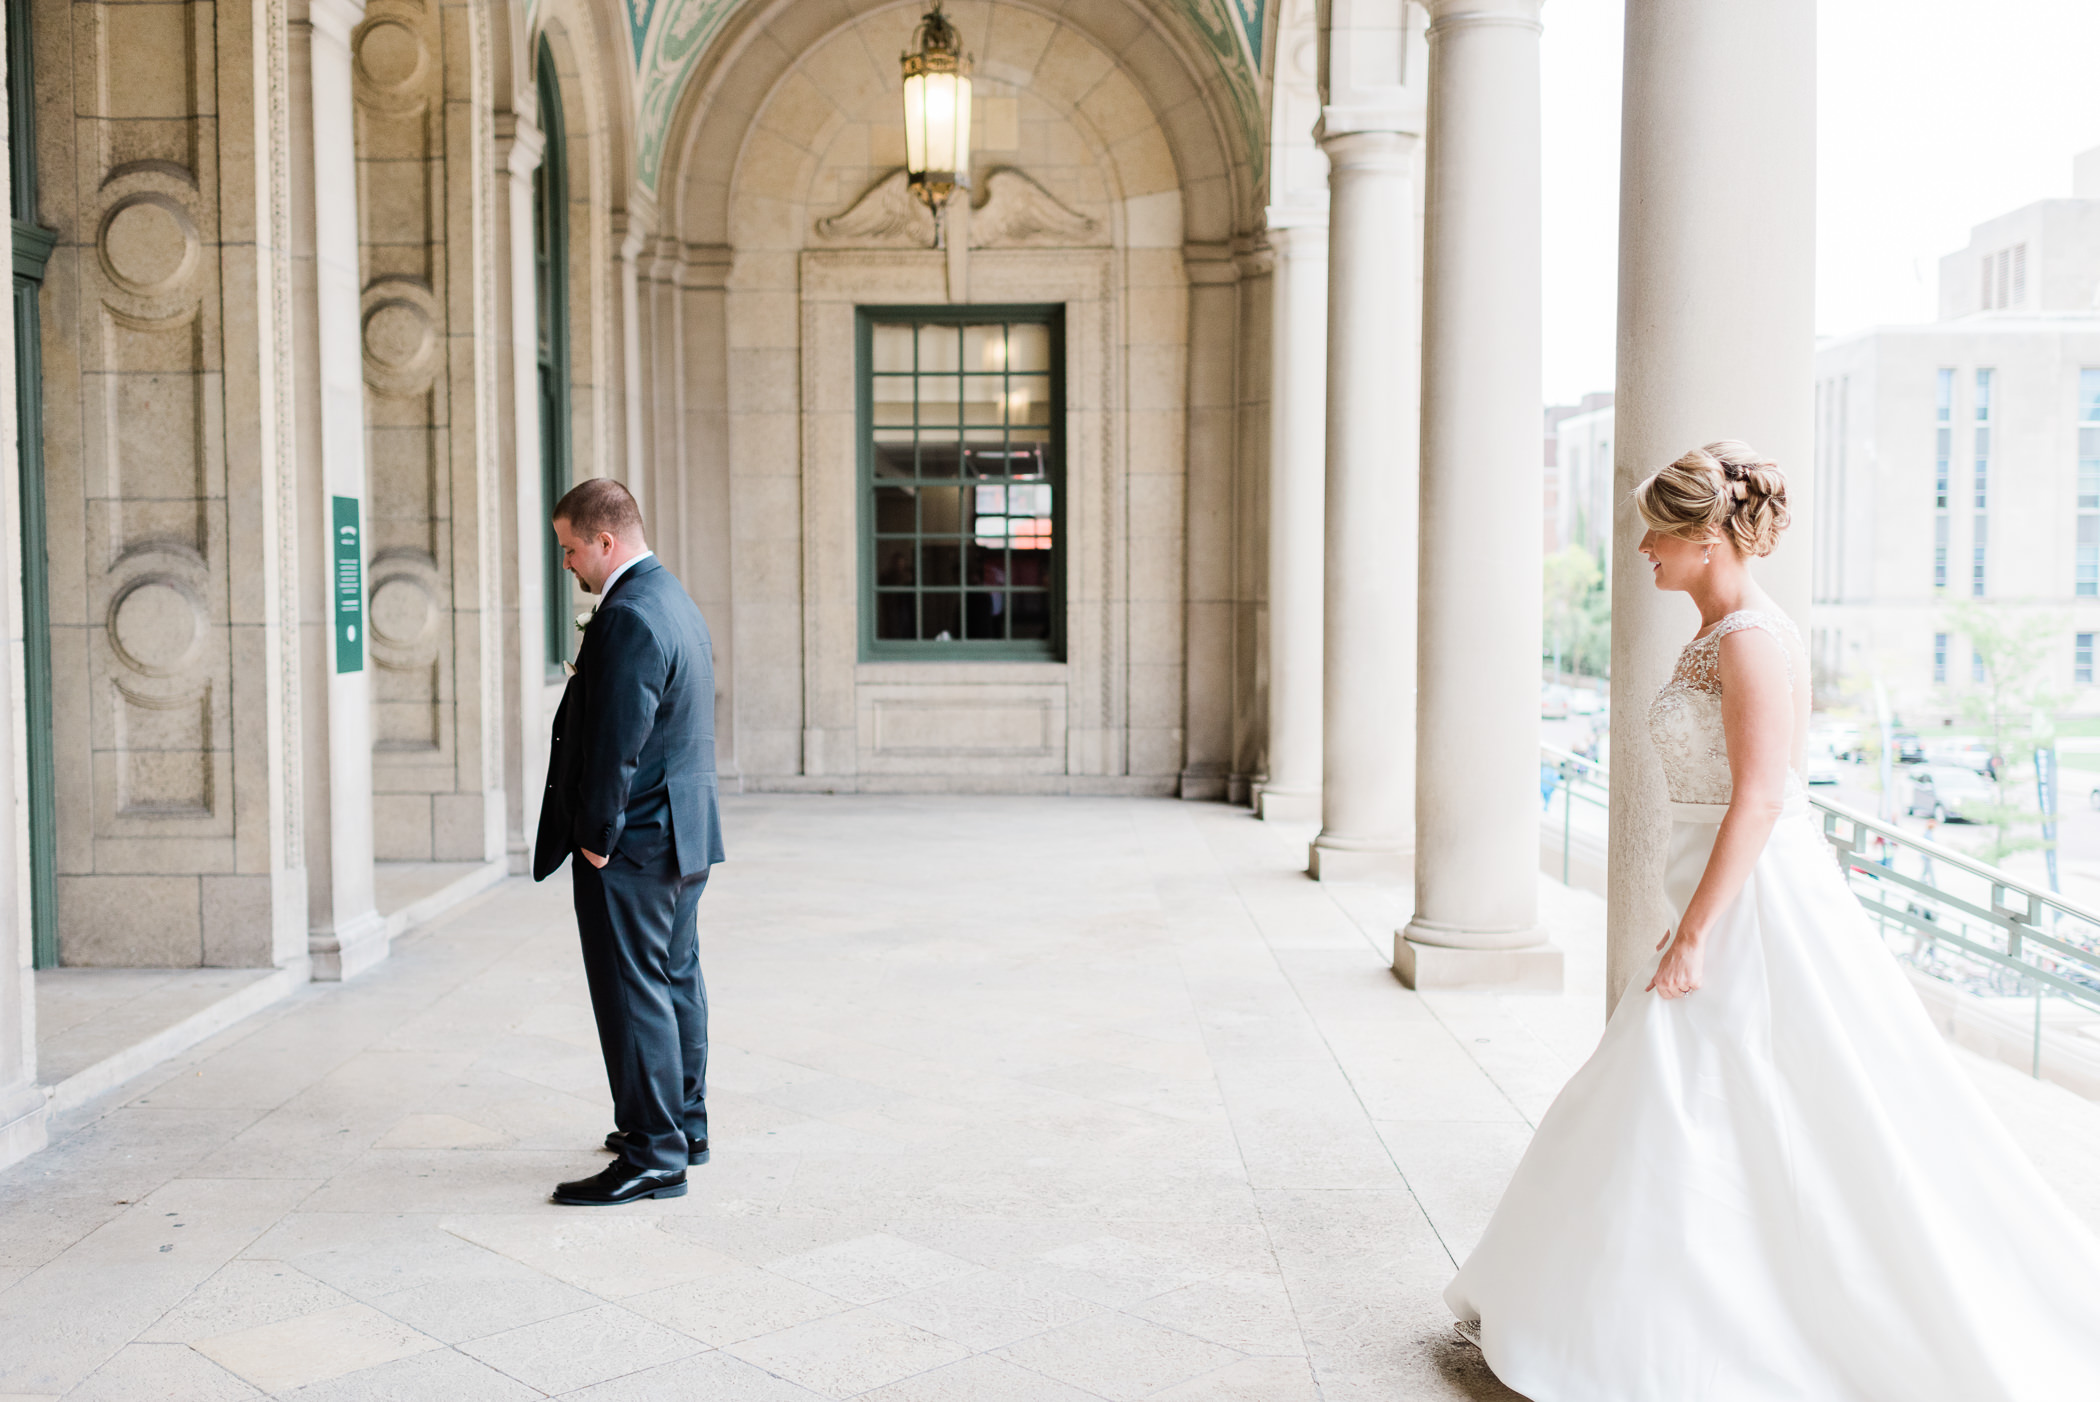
(1014, 1100)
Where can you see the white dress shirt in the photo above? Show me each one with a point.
(625, 565)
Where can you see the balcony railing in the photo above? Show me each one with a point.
(1962, 921)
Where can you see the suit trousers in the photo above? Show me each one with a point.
(641, 955)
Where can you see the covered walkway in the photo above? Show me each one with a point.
(1015, 1100)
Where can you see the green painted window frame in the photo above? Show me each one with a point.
(874, 649)
(550, 251)
(32, 245)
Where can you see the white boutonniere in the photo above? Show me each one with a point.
(583, 620)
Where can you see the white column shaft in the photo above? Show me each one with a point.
(1476, 857)
(1297, 521)
(1716, 340)
(1367, 800)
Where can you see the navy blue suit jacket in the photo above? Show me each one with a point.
(632, 769)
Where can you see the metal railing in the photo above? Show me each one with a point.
(1960, 920)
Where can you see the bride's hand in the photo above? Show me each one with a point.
(1682, 969)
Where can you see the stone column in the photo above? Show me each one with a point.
(520, 146)
(345, 932)
(1369, 584)
(1476, 801)
(1297, 520)
(1716, 340)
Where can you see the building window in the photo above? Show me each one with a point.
(1939, 657)
(550, 252)
(1939, 551)
(1943, 439)
(2004, 275)
(1983, 439)
(1975, 666)
(2088, 580)
(2082, 659)
(1979, 555)
(962, 477)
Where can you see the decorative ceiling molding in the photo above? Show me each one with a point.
(670, 36)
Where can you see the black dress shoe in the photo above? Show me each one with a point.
(621, 1182)
(695, 1149)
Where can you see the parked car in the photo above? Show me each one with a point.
(1822, 764)
(1839, 738)
(1583, 701)
(1948, 792)
(1553, 702)
(1908, 750)
(1970, 754)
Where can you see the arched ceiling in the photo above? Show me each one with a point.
(670, 36)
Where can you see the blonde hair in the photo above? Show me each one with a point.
(1723, 491)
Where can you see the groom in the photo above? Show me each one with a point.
(631, 791)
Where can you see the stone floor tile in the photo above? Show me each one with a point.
(848, 1354)
(980, 1379)
(704, 1377)
(1118, 1357)
(439, 1132)
(314, 1347)
(610, 1253)
(244, 1294)
(1249, 1380)
(1244, 1310)
(159, 1372)
(989, 1309)
(1456, 1171)
(734, 1303)
(575, 1350)
(438, 1376)
(871, 1268)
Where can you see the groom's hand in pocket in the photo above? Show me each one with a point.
(592, 857)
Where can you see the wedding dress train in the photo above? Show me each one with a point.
(1782, 1188)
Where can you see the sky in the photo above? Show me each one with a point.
(1932, 115)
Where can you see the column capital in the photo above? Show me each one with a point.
(1374, 151)
(520, 144)
(1448, 15)
(335, 18)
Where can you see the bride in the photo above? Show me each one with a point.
(1771, 1182)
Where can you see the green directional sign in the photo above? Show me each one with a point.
(349, 588)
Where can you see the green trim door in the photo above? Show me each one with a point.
(550, 251)
(32, 250)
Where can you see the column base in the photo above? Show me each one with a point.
(24, 1123)
(348, 952)
(1326, 862)
(1536, 968)
(1287, 805)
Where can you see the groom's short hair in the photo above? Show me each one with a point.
(600, 504)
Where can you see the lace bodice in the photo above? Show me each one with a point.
(1685, 718)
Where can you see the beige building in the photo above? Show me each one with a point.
(1165, 461)
(1959, 460)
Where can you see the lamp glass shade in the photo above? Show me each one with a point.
(937, 112)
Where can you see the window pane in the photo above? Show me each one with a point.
(939, 459)
(940, 564)
(1031, 569)
(984, 399)
(940, 510)
(984, 348)
(1029, 499)
(984, 616)
(938, 347)
(892, 349)
(893, 564)
(1031, 615)
(1028, 348)
(1028, 399)
(939, 399)
(890, 399)
(893, 459)
(1944, 395)
(893, 617)
(940, 617)
(987, 562)
(2089, 395)
(893, 511)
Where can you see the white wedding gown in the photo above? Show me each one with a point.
(1783, 1186)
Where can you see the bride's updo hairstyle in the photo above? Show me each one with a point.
(1726, 491)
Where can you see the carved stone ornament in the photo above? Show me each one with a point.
(887, 216)
(1018, 213)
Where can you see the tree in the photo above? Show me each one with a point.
(2014, 648)
(1577, 612)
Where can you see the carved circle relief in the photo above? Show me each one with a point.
(403, 611)
(148, 244)
(391, 56)
(156, 626)
(402, 345)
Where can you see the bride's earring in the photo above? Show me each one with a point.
(1708, 557)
